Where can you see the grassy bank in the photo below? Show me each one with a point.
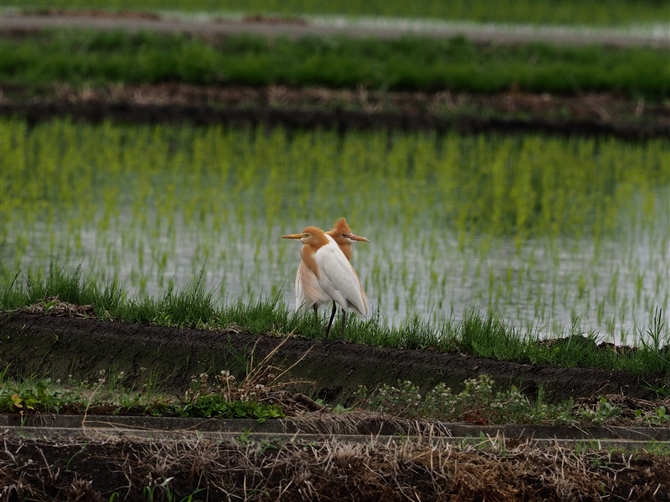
(194, 307)
(417, 64)
(569, 12)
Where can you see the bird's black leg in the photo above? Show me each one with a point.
(344, 321)
(332, 315)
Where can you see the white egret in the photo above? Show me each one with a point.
(325, 273)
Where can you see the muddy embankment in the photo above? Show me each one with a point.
(60, 347)
(587, 114)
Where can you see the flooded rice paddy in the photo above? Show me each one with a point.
(555, 235)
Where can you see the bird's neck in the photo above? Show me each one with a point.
(346, 249)
(308, 255)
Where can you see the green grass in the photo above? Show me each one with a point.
(586, 12)
(193, 307)
(91, 58)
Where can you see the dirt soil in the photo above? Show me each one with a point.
(94, 467)
(587, 114)
(60, 346)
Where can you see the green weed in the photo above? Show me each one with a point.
(33, 395)
(479, 403)
(223, 398)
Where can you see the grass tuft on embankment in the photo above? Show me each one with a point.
(84, 57)
(194, 307)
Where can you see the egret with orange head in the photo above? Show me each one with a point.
(325, 273)
(344, 238)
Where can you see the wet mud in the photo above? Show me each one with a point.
(340, 120)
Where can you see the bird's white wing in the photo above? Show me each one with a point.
(338, 279)
(363, 295)
(300, 301)
(308, 292)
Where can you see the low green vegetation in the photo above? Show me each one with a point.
(589, 12)
(479, 403)
(218, 397)
(222, 396)
(194, 307)
(411, 63)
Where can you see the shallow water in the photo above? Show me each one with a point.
(453, 228)
(542, 288)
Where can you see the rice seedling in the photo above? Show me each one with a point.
(89, 59)
(555, 235)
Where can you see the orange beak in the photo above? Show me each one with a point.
(292, 236)
(354, 237)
